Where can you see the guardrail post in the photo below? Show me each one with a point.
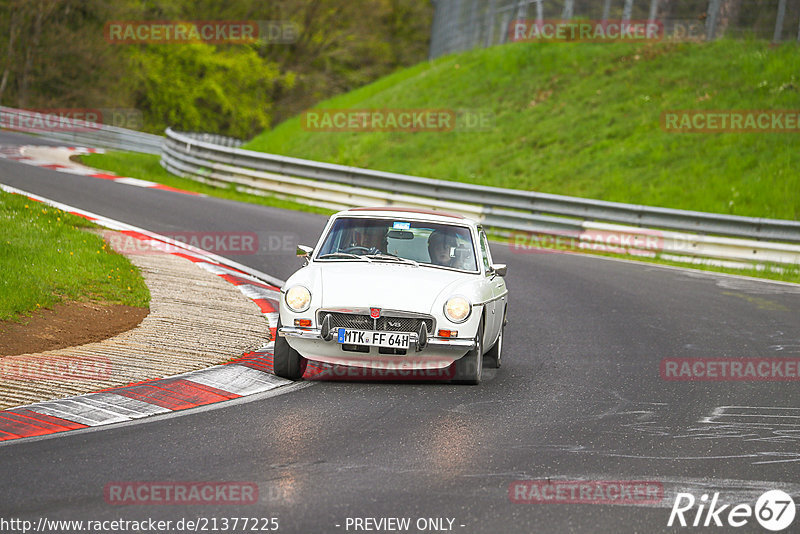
(452, 27)
(522, 9)
(627, 10)
(606, 10)
(798, 29)
(711, 19)
(506, 20)
(776, 36)
(490, 23)
(474, 32)
(435, 23)
(569, 8)
(653, 10)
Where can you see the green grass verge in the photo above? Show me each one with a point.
(147, 167)
(48, 256)
(583, 119)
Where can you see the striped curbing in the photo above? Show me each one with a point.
(247, 375)
(152, 397)
(58, 159)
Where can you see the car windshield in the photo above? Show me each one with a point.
(421, 242)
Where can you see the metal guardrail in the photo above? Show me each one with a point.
(215, 139)
(339, 186)
(217, 160)
(80, 133)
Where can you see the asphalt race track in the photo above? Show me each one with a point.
(579, 397)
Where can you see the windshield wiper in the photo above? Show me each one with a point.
(346, 255)
(342, 255)
(392, 257)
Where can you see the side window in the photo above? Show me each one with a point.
(487, 258)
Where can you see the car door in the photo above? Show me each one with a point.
(495, 288)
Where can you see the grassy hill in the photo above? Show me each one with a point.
(584, 119)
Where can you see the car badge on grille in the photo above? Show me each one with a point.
(374, 312)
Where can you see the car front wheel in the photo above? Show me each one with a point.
(288, 362)
(468, 369)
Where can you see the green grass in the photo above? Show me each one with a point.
(48, 256)
(583, 119)
(147, 167)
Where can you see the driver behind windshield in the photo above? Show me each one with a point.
(366, 240)
(442, 249)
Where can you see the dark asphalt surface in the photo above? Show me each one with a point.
(579, 397)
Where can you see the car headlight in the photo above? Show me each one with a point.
(298, 298)
(457, 309)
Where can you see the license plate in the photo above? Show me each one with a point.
(398, 340)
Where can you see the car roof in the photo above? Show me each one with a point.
(407, 213)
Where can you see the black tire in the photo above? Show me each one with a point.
(287, 362)
(469, 368)
(494, 357)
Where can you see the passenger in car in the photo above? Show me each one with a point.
(441, 248)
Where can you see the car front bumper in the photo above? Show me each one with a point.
(438, 352)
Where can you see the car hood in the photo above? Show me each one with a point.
(386, 285)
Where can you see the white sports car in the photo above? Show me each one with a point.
(389, 287)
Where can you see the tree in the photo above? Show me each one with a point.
(196, 87)
(53, 53)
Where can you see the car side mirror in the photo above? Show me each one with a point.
(304, 252)
(500, 268)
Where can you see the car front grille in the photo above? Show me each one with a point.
(357, 321)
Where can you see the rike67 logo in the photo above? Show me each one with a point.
(774, 510)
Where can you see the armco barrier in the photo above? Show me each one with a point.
(90, 134)
(94, 134)
(338, 186)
